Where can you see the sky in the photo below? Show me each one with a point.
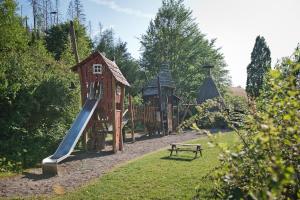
(234, 23)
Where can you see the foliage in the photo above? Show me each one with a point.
(238, 109)
(36, 103)
(156, 176)
(12, 34)
(259, 66)
(209, 115)
(57, 40)
(116, 50)
(266, 165)
(173, 38)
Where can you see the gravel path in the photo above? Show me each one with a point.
(81, 168)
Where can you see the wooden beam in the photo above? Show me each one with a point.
(121, 117)
(131, 117)
(113, 94)
(73, 41)
(160, 106)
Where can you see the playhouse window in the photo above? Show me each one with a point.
(118, 90)
(97, 69)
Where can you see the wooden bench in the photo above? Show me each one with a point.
(186, 147)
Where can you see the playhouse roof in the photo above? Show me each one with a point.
(165, 80)
(112, 66)
(208, 90)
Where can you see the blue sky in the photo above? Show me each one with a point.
(235, 24)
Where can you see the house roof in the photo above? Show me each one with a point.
(112, 66)
(165, 80)
(208, 90)
(238, 91)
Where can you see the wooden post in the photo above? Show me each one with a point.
(131, 117)
(144, 119)
(73, 41)
(113, 93)
(75, 51)
(121, 118)
(160, 107)
(185, 112)
(178, 114)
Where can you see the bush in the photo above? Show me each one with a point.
(36, 106)
(237, 109)
(266, 163)
(208, 115)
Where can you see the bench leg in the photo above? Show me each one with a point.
(196, 154)
(200, 152)
(171, 152)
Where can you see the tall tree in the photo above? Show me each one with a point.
(258, 67)
(71, 14)
(75, 10)
(57, 39)
(173, 37)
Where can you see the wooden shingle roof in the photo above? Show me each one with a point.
(112, 66)
(165, 80)
(208, 90)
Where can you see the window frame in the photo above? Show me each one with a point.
(97, 68)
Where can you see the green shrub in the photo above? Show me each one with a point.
(266, 164)
(208, 115)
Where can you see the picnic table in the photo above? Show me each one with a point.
(186, 147)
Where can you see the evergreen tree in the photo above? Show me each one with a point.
(71, 14)
(173, 37)
(75, 10)
(79, 11)
(258, 67)
(57, 38)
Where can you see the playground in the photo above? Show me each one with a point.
(157, 99)
(82, 168)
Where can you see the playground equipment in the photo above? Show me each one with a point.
(208, 90)
(102, 95)
(160, 110)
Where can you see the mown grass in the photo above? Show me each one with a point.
(156, 176)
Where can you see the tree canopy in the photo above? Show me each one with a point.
(173, 38)
(57, 39)
(260, 64)
(37, 106)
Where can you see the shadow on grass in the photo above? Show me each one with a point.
(177, 158)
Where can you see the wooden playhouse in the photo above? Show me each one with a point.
(97, 70)
(159, 112)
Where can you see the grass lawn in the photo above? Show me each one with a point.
(156, 176)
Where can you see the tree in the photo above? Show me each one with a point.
(13, 36)
(173, 37)
(57, 39)
(260, 64)
(75, 10)
(37, 106)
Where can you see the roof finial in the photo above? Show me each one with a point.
(209, 67)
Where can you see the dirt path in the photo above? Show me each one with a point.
(79, 169)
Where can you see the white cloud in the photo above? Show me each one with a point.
(129, 11)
